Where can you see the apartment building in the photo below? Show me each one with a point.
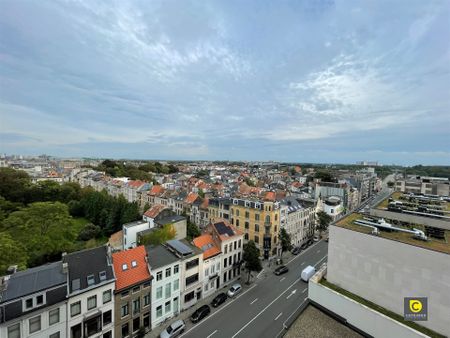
(424, 185)
(297, 219)
(90, 301)
(130, 233)
(230, 240)
(259, 220)
(219, 208)
(33, 302)
(212, 257)
(165, 291)
(132, 314)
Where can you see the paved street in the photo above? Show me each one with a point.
(261, 310)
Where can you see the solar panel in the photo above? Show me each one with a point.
(180, 247)
(223, 229)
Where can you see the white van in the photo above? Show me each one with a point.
(307, 273)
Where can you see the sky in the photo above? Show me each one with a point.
(293, 81)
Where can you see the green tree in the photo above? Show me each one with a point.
(11, 253)
(324, 176)
(251, 259)
(201, 193)
(158, 236)
(14, 185)
(192, 230)
(324, 221)
(285, 240)
(89, 231)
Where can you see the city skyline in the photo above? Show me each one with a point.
(318, 82)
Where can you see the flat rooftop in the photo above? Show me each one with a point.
(316, 323)
(398, 196)
(432, 243)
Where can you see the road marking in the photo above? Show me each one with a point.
(318, 251)
(282, 279)
(321, 260)
(278, 316)
(259, 274)
(212, 334)
(253, 301)
(284, 323)
(302, 263)
(215, 312)
(292, 293)
(304, 290)
(260, 312)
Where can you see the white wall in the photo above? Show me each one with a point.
(130, 234)
(358, 315)
(385, 271)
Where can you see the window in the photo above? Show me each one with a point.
(124, 267)
(247, 225)
(256, 217)
(39, 300)
(192, 279)
(125, 294)
(90, 280)
(168, 290)
(256, 227)
(224, 277)
(246, 237)
(176, 284)
(55, 335)
(247, 214)
(133, 264)
(226, 248)
(167, 307)
(235, 245)
(53, 316)
(224, 263)
(75, 309)
(206, 272)
(147, 300)
(124, 310)
(239, 244)
(175, 305)
(29, 303)
(106, 296)
(136, 324)
(136, 289)
(125, 330)
(92, 325)
(229, 260)
(191, 264)
(107, 335)
(159, 276)
(146, 320)
(14, 331)
(159, 292)
(75, 331)
(168, 271)
(107, 317)
(256, 239)
(237, 213)
(188, 297)
(91, 302)
(159, 311)
(136, 305)
(239, 256)
(175, 269)
(102, 275)
(276, 217)
(146, 285)
(34, 324)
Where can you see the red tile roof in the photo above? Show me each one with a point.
(135, 184)
(207, 245)
(270, 196)
(191, 197)
(156, 190)
(154, 211)
(132, 275)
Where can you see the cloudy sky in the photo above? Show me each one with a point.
(307, 81)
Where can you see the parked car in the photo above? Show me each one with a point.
(327, 239)
(316, 238)
(304, 246)
(234, 290)
(310, 242)
(219, 299)
(280, 270)
(200, 313)
(307, 273)
(173, 329)
(296, 250)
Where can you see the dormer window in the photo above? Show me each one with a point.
(40, 300)
(76, 284)
(90, 280)
(102, 275)
(29, 303)
(133, 264)
(124, 267)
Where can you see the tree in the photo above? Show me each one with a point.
(158, 236)
(324, 221)
(285, 240)
(251, 258)
(324, 176)
(89, 231)
(201, 193)
(11, 253)
(192, 230)
(14, 185)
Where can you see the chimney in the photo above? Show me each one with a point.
(12, 269)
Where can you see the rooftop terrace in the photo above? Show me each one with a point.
(432, 244)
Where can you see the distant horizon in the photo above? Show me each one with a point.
(304, 81)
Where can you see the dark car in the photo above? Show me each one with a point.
(304, 246)
(219, 299)
(200, 313)
(310, 242)
(296, 250)
(280, 270)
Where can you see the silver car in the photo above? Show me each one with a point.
(173, 329)
(234, 290)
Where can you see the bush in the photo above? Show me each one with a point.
(89, 231)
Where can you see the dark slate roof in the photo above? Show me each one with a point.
(292, 204)
(159, 256)
(170, 219)
(222, 229)
(33, 280)
(88, 262)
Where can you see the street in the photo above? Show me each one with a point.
(261, 310)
